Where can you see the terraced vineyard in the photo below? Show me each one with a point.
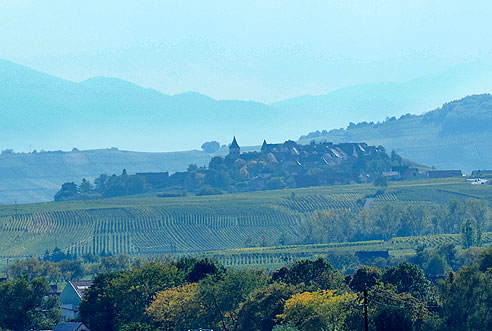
(146, 230)
(310, 203)
(143, 225)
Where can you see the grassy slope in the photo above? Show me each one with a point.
(457, 138)
(28, 178)
(194, 224)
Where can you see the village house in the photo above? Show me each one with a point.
(306, 162)
(70, 298)
(155, 179)
(70, 326)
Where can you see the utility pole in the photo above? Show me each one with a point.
(366, 322)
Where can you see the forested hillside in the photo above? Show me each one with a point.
(454, 136)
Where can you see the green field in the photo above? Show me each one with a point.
(143, 225)
(339, 254)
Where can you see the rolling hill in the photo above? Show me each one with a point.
(36, 177)
(454, 136)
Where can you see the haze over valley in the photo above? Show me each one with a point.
(245, 165)
(44, 112)
(101, 112)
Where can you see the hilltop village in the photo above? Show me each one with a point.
(283, 165)
(274, 166)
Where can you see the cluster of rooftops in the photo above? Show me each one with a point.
(326, 153)
(298, 160)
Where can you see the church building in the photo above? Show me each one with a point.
(234, 149)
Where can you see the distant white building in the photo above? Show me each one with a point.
(477, 181)
(70, 298)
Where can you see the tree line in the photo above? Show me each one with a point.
(104, 187)
(307, 295)
(161, 293)
(384, 221)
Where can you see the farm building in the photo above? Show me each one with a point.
(481, 173)
(444, 173)
(406, 172)
(154, 178)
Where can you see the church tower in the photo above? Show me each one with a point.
(234, 149)
(264, 147)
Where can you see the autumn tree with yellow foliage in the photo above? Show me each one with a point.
(177, 308)
(323, 309)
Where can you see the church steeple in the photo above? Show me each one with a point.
(234, 149)
(264, 147)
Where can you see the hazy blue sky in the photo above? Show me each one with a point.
(261, 50)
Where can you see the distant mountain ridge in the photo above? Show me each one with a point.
(454, 136)
(376, 101)
(51, 113)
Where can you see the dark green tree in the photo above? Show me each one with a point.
(453, 219)
(466, 300)
(68, 191)
(194, 180)
(381, 181)
(260, 310)
(276, 183)
(136, 289)
(436, 265)
(478, 211)
(196, 269)
(469, 234)
(484, 260)
(392, 319)
(409, 278)
(85, 187)
(23, 305)
(395, 158)
(221, 299)
(71, 269)
(100, 183)
(98, 308)
(365, 277)
(313, 274)
(216, 163)
(211, 146)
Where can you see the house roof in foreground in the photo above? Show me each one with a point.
(70, 326)
(80, 286)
